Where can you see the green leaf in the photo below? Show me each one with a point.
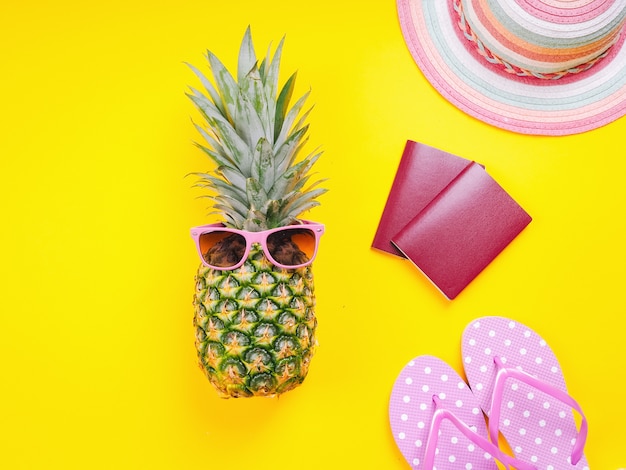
(222, 187)
(232, 176)
(265, 107)
(256, 194)
(302, 168)
(271, 80)
(247, 57)
(216, 157)
(208, 109)
(239, 151)
(255, 221)
(237, 205)
(263, 165)
(297, 183)
(304, 201)
(292, 178)
(208, 137)
(225, 83)
(272, 214)
(251, 110)
(270, 85)
(204, 104)
(302, 120)
(288, 181)
(215, 96)
(235, 210)
(282, 104)
(291, 117)
(286, 152)
(251, 87)
(212, 141)
(262, 70)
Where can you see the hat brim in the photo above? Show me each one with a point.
(572, 104)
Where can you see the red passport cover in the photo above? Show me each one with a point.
(423, 173)
(461, 230)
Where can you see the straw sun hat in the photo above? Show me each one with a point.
(544, 67)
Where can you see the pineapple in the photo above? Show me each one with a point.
(255, 325)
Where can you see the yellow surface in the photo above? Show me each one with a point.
(98, 367)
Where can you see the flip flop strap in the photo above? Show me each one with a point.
(442, 413)
(563, 397)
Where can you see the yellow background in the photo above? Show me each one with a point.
(98, 366)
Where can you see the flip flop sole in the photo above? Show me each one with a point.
(539, 428)
(411, 411)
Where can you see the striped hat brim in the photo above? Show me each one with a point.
(572, 104)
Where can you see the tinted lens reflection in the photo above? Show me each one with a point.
(222, 249)
(292, 247)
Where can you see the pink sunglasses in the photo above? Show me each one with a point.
(290, 247)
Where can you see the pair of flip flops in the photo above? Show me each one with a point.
(438, 421)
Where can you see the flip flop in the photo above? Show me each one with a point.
(517, 380)
(437, 422)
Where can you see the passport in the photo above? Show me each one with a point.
(453, 234)
(423, 173)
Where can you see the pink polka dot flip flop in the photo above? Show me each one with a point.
(437, 422)
(517, 380)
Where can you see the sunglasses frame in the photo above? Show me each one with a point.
(256, 237)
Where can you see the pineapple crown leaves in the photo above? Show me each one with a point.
(255, 140)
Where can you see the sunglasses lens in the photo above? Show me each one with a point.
(292, 247)
(222, 249)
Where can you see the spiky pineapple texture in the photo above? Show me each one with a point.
(255, 139)
(255, 327)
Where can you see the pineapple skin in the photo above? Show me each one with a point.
(255, 326)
